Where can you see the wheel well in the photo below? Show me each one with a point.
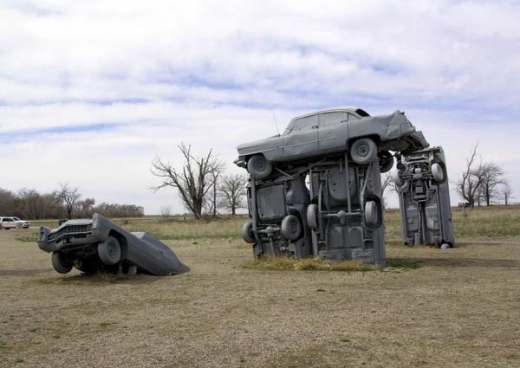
(122, 242)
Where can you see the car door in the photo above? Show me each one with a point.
(332, 132)
(302, 138)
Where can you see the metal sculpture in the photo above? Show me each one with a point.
(341, 152)
(424, 198)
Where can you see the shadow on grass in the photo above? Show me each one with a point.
(100, 279)
(413, 262)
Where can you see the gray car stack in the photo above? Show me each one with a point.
(315, 190)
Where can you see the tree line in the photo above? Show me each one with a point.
(64, 202)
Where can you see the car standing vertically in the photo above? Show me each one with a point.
(331, 131)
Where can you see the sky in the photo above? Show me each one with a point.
(92, 91)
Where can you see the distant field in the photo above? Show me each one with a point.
(431, 308)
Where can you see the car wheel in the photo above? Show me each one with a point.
(386, 161)
(371, 213)
(396, 178)
(109, 251)
(59, 263)
(291, 227)
(247, 232)
(312, 216)
(438, 172)
(259, 167)
(363, 151)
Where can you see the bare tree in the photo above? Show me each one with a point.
(192, 181)
(232, 192)
(7, 202)
(387, 183)
(166, 212)
(33, 205)
(469, 185)
(85, 208)
(506, 192)
(217, 169)
(492, 178)
(69, 197)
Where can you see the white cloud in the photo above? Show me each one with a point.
(212, 74)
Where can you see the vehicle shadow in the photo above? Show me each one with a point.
(455, 262)
(101, 279)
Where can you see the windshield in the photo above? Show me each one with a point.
(16, 219)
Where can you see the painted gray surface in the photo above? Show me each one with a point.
(332, 131)
(319, 147)
(77, 241)
(424, 201)
(270, 202)
(340, 191)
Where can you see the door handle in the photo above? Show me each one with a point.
(314, 127)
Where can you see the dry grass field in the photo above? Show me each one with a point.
(430, 308)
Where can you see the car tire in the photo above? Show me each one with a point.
(291, 227)
(363, 151)
(59, 264)
(247, 232)
(438, 172)
(109, 251)
(312, 216)
(386, 162)
(372, 214)
(259, 167)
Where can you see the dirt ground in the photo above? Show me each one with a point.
(460, 308)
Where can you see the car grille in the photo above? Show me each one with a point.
(78, 231)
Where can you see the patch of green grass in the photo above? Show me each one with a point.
(27, 238)
(33, 330)
(402, 263)
(309, 264)
(106, 324)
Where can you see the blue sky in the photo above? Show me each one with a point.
(93, 91)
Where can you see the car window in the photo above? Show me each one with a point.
(7, 220)
(352, 117)
(16, 219)
(332, 118)
(301, 124)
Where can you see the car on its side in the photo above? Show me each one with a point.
(333, 131)
(99, 244)
(12, 222)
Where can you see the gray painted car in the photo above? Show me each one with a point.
(277, 212)
(332, 131)
(99, 244)
(424, 198)
(345, 213)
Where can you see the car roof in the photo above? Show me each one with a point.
(351, 109)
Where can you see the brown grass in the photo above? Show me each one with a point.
(451, 308)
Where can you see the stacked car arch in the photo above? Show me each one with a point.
(315, 190)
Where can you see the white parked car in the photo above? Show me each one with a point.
(13, 223)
